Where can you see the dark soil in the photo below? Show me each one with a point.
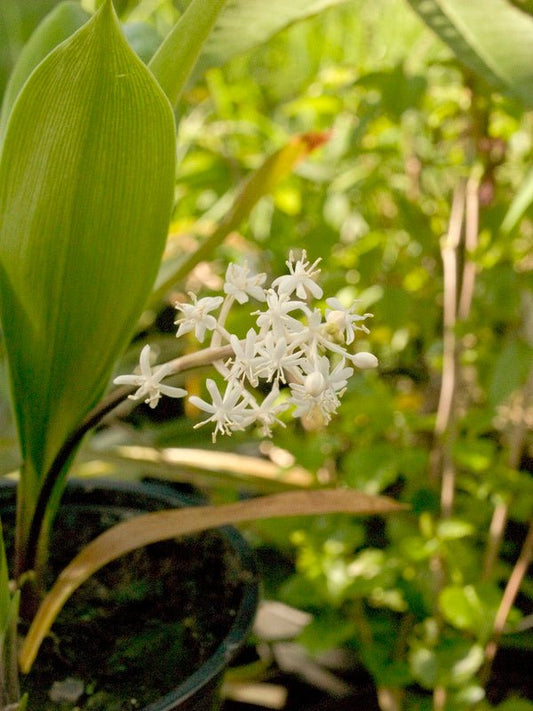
(138, 628)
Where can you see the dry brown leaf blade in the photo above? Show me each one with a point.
(163, 525)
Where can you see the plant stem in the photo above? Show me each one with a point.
(509, 596)
(517, 438)
(198, 359)
(441, 461)
(458, 294)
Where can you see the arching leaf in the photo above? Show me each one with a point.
(163, 525)
(492, 37)
(244, 24)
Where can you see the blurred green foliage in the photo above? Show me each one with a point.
(416, 596)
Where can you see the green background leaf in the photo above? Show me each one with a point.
(492, 37)
(244, 24)
(86, 187)
(62, 22)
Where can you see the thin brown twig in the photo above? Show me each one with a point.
(449, 249)
(509, 596)
(471, 242)
(442, 466)
(517, 438)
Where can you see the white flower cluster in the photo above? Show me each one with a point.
(299, 351)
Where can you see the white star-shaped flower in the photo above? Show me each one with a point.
(246, 363)
(266, 413)
(228, 412)
(276, 318)
(149, 381)
(241, 283)
(197, 316)
(301, 278)
(275, 357)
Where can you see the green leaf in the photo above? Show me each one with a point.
(461, 607)
(174, 60)
(18, 19)
(520, 203)
(5, 597)
(244, 24)
(423, 662)
(453, 529)
(328, 631)
(60, 24)
(86, 187)
(492, 37)
(511, 368)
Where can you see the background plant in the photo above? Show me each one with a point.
(414, 134)
(420, 148)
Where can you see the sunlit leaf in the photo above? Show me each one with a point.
(453, 529)
(244, 24)
(86, 188)
(461, 607)
(492, 37)
(174, 60)
(162, 525)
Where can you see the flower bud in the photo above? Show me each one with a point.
(314, 383)
(336, 318)
(365, 360)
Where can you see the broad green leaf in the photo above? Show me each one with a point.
(492, 37)
(174, 60)
(210, 32)
(60, 24)
(163, 525)
(261, 182)
(244, 24)
(86, 187)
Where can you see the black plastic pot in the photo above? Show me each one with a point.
(200, 691)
